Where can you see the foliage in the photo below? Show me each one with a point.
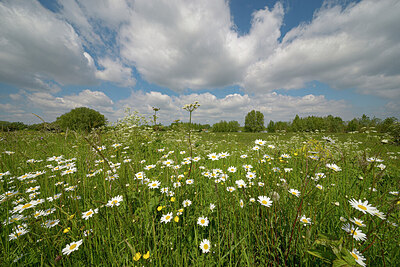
(224, 126)
(6, 126)
(394, 131)
(254, 121)
(81, 119)
(185, 125)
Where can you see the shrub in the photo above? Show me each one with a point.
(81, 119)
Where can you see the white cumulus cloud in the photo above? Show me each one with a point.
(114, 71)
(192, 44)
(235, 106)
(352, 47)
(52, 107)
(39, 50)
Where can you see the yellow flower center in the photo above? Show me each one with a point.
(354, 255)
(205, 246)
(26, 205)
(114, 202)
(305, 220)
(294, 193)
(202, 221)
(358, 223)
(264, 202)
(72, 247)
(89, 213)
(168, 217)
(353, 232)
(362, 207)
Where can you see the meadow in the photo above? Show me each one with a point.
(138, 197)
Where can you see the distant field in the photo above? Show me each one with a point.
(139, 197)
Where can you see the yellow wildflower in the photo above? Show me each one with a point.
(147, 255)
(137, 256)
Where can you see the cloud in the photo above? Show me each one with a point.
(53, 107)
(352, 47)
(114, 71)
(234, 106)
(97, 21)
(39, 51)
(182, 45)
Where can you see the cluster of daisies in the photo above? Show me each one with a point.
(28, 205)
(228, 178)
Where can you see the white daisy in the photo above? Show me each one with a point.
(358, 257)
(232, 169)
(305, 220)
(87, 214)
(186, 203)
(205, 245)
(358, 222)
(334, 167)
(294, 192)
(51, 223)
(354, 232)
(364, 207)
(72, 247)
(265, 201)
(115, 201)
(166, 218)
(203, 221)
(154, 184)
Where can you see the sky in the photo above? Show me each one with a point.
(288, 57)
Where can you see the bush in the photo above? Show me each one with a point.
(81, 119)
(223, 126)
(11, 126)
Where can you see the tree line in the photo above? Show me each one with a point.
(85, 119)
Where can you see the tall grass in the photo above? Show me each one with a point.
(247, 235)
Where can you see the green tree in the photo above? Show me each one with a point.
(298, 124)
(81, 119)
(254, 121)
(386, 124)
(271, 127)
(353, 125)
(395, 132)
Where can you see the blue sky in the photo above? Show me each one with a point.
(283, 58)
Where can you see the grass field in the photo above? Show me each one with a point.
(133, 197)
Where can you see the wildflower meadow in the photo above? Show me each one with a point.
(135, 196)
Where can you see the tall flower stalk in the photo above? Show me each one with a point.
(190, 107)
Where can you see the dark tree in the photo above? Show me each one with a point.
(254, 121)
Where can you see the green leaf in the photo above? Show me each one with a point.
(326, 256)
(347, 256)
(153, 202)
(339, 263)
